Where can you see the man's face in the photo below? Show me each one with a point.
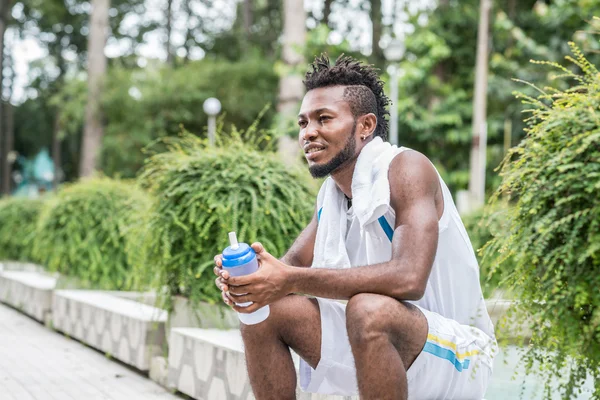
(327, 130)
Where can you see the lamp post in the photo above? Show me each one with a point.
(394, 53)
(212, 107)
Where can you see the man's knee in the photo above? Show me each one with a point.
(368, 317)
(280, 313)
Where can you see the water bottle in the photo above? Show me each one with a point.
(240, 259)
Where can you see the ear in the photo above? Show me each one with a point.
(367, 125)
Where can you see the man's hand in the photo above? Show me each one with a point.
(267, 285)
(221, 280)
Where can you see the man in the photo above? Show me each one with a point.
(386, 237)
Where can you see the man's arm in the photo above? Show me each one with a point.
(414, 185)
(301, 252)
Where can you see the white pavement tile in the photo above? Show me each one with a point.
(37, 363)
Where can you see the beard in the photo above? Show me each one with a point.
(346, 154)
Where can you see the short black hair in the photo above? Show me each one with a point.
(364, 90)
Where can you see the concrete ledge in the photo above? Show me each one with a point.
(210, 364)
(126, 330)
(28, 291)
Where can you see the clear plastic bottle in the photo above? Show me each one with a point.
(240, 259)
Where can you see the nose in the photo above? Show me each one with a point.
(309, 133)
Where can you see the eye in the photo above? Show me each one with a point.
(324, 118)
(302, 123)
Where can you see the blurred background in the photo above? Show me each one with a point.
(86, 85)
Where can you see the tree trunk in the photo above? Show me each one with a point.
(9, 136)
(248, 20)
(512, 15)
(478, 146)
(377, 56)
(291, 88)
(5, 136)
(440, 68)
(188, 30)
(327, 11)
(169, 18)
(56, 156)
(93, 130)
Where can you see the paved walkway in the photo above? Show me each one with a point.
(37, 363)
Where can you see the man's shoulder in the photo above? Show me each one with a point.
(411, 170)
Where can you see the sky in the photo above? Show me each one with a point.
(26, 50)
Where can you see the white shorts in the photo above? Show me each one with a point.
(456, 362)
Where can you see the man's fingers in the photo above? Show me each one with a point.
(258, 248)
(224, 286)
(226, 299)
(219, 260)
(221, 284)
(240, 299)
(230, 297)
(239, 290)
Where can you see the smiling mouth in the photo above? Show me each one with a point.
(312, 153)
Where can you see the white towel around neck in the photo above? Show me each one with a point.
(370, 200)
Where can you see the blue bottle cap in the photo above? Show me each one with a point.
(240, 256)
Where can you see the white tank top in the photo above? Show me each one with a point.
(453, 289)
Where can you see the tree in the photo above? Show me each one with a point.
(248, 17)
(326, 11)
(62, 27)
(377, 56)
(436, 90)
(477, 176)
(164, 101)
(5, 136)
(552, 233)
(291, 88)
(94, 131)
(169, 23)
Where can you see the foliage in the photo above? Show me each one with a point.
(19, 218)
(262, 37)
(83, 231)
(553, 235)
(33, 126)
(204, 192)
(142, 105)
(436, 89)
(318, 41)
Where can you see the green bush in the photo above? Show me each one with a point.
(18, 219)
(205, 192)
(84, 232)
(553, 235)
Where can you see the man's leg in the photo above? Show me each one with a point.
(294, 322)
(386, 336)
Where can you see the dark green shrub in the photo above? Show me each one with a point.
(202, 193)
(18, 219)
(83, 231)
(553, 236)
